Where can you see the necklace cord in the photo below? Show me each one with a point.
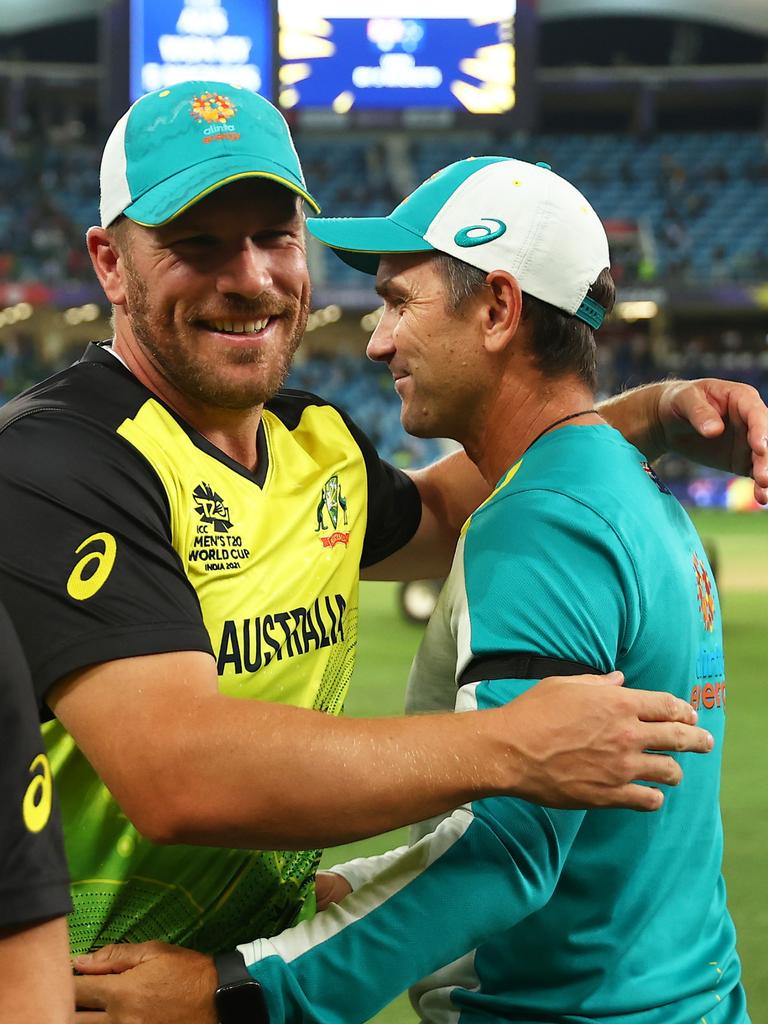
(556, 423)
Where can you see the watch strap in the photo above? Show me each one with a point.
(231, 969)
(239, 998)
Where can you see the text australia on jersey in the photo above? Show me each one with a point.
(252, 643)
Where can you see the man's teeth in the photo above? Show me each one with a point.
(239, 327)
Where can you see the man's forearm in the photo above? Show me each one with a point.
(635, 414)
(481, 872)
(36, 974)
(189, 765)
(275, 777)
(304, 779)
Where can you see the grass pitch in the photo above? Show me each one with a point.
(387, 644)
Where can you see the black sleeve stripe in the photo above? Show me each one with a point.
(115, 645)
(521, 665)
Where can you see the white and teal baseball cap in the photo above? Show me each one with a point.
(174, 146)
(494, 213)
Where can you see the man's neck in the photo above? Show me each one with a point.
(232, 431)
(517, 415)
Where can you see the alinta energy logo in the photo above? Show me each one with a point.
(211, 508)
(705, 595)
(331, 503)
(215, 112)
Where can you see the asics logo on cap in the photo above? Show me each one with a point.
(479, 234)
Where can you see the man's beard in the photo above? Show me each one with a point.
(197, 379)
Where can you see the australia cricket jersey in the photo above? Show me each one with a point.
(514, 912)
(34, 884)
(127, 533)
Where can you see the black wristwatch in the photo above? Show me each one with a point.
(239, 998)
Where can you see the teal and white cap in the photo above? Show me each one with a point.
(174, 146)
(494, 213)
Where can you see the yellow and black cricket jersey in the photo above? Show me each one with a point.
(125, 533)
(34, 884)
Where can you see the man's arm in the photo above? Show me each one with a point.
(719, 423)
(37, 982)
(35, 976)
(426, 909)
(715, 422)
(450, 491)
(248, 774)
(483, 870)
(188, 764)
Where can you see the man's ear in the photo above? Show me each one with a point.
(503, 310)
(109, 267)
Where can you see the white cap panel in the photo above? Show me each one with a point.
(538, 227)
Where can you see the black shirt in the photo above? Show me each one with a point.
(34, 884)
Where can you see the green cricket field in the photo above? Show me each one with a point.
(387, 644)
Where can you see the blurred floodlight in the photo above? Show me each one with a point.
(637, 310)
(371, 320)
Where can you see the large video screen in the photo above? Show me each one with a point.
(393, 54)
(223, 40)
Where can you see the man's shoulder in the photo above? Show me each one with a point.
(591, 467)
(588, 490)
(573, 487)
(576, 459)
(66, 430)
(97, 388)
(315, 421)
(290, 404)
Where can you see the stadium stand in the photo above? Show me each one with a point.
(696, 201)
(694, 195)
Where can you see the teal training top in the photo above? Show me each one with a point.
(542, 915)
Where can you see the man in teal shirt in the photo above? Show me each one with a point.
(494, 276)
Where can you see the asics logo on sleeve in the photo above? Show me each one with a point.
(92, 571)
(38, 797)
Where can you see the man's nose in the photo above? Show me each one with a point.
(246, 271)
(381, 346)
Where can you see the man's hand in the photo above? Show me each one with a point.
(154, 983)
(585, 741)
(718, 423)
(148, 983)
(330, 888)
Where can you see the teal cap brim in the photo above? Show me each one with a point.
(174, 195)
(361, 241)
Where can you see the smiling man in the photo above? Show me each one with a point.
(163, 565)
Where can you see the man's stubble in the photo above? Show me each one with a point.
(197, 378)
